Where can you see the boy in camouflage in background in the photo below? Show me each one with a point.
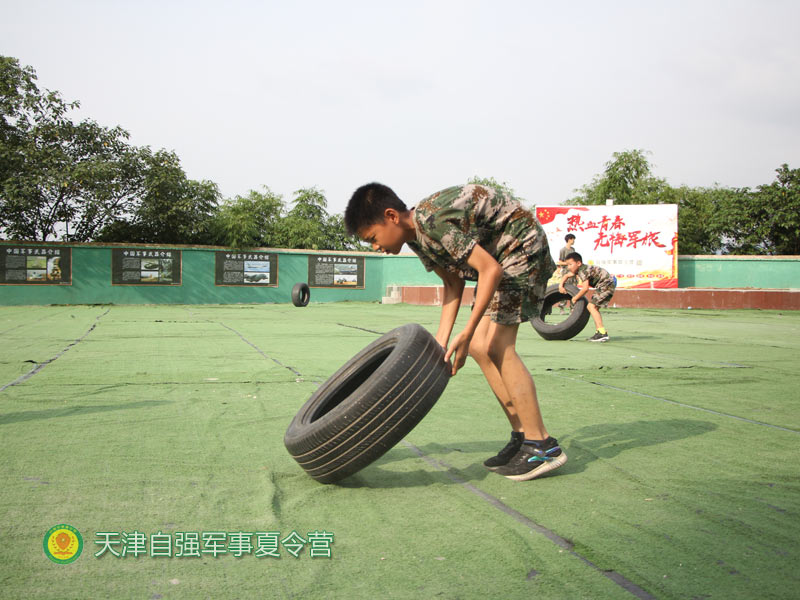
(604, 284)
(477, 233)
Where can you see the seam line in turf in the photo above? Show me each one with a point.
(42, 365)
(676, 403)
(361, 328)
(559, 541)
(260, 351)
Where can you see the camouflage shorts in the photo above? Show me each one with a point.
(603, 293)
(512, 306)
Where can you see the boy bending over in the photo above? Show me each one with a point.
(476, 233)
(604, 284)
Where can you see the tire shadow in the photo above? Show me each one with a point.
(391, 470)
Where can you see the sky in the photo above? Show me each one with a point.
(421, 95)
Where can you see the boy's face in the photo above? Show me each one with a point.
(387, 236)
(573, 265)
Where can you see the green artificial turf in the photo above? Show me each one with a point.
(682, 434)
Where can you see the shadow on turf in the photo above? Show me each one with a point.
(604, 441)
(72, 411)
(585, 445)
(375, 476)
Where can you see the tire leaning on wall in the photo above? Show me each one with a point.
(301, 294)
(569, 327)
(369, 404)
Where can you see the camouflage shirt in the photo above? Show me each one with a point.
(451, 222)
(597, 276)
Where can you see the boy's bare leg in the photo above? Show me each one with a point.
(595, 312)
(508, 376)
(479, 350)
(517, 379)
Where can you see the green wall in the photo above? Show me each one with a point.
(407, 270)
(766, 272)
(91, 278)
(91, 281)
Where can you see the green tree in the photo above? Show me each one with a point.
(766, 221)
(696, 216)
(309, 226)
(704, 217)
(58, 178)
(627, 179)
(170, 207)
(338, 238)
(493, 183)
(702, 212)
(174, 208)
(250, 221)
(304, 225)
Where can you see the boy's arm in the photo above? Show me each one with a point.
(453, 288)
(584, 287)
(489, 274)
(563, 281)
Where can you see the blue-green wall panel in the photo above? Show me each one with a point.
(91, 278)
(91, 282)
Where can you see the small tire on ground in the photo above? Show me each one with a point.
(300, 294)
(569, 327)
(369, 404)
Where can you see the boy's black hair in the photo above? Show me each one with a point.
(574, 256)
(367, 205)
(569, 237)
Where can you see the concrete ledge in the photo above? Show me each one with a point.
(711, 298)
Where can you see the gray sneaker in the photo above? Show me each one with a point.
(534, 459)
(507, 453)
(599, 337)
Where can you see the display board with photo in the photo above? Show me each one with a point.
(336, 271)
(134, 266)
(38, 265)
(246, 268)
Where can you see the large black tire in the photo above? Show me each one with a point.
(369, 404)
(300, 294)
(569, 327)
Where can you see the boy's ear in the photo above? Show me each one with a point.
(391, 215)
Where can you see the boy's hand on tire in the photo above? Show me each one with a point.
(459, 350)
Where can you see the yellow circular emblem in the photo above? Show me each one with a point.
(63, 544)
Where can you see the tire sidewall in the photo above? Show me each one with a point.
(400, 340)
(301, 294)
(569, 327)
(304, 425)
